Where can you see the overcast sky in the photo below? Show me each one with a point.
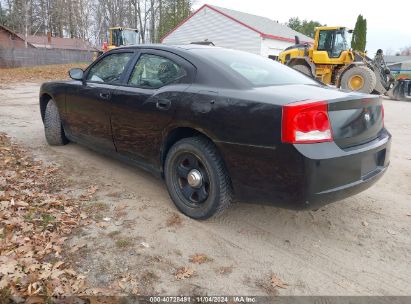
(388, 22)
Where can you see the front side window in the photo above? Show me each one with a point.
(340, 44)
(110, 68)
(152, 72)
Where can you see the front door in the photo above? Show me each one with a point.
(145, 104)
(88, 101)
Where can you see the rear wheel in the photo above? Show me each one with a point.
(359, 78)
(196, 178)
(303, 69)
(52, 125)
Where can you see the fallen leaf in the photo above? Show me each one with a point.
(77, 247)
(174, 220)
(21, 204)
(183, 273)
(121, 285)
(199, 258)
(277, 282)
(34, 289)
(58, 264)
(92, 189)
(102, 225)
(8, 265)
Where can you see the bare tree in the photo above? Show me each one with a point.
(90, 19)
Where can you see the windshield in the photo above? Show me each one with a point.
(124, 37)
(333, 41)
(130, 37)
(258, 70)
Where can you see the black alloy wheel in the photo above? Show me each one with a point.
(196, 178)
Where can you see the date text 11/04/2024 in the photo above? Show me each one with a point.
(202, 299)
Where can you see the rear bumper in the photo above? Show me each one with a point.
(305, 176)
(333, 174)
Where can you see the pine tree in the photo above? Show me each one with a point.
(172, 13)
(359, 38)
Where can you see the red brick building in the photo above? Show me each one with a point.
(9, 39)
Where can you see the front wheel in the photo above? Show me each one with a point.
(53, 128)
(359, 78)
(196, 178)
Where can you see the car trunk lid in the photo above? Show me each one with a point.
(355, 121)
(355, 118)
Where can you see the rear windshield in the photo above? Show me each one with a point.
(258, 70)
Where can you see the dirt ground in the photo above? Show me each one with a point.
(138, 241)
(37, 73)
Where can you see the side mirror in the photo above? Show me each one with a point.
(76, 74)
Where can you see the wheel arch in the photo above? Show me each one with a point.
(176, 133)
(304, 61)
(44, 99)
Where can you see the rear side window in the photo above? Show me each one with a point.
(152, 71)
(258, 70)
(110, 68)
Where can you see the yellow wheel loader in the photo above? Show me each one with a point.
(331, 61)
(120, 36)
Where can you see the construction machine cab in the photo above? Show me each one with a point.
(332, 40)
(120, 36)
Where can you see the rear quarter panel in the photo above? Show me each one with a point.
(247, 133)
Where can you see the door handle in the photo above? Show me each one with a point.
(105, 95)
(163, 104)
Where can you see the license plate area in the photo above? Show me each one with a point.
(371, 164)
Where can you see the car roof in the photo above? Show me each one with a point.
(168, 47)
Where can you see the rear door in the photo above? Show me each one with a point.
(144, 105)
(88, 101)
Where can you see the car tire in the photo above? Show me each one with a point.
(303, 69)
(367, 76)
(196, 160)
(53, 128)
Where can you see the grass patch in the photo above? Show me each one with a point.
(47, 219)
(123, 243)
(5, 296)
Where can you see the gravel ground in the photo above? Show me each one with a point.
(137, 241)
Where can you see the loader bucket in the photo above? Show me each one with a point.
(379, 87)
(402, 90)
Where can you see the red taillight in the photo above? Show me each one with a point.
(306, 122)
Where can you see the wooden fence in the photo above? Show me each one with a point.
(19, 57)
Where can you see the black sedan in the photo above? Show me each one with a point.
(220, 124)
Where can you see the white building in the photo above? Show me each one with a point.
(235, 30)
